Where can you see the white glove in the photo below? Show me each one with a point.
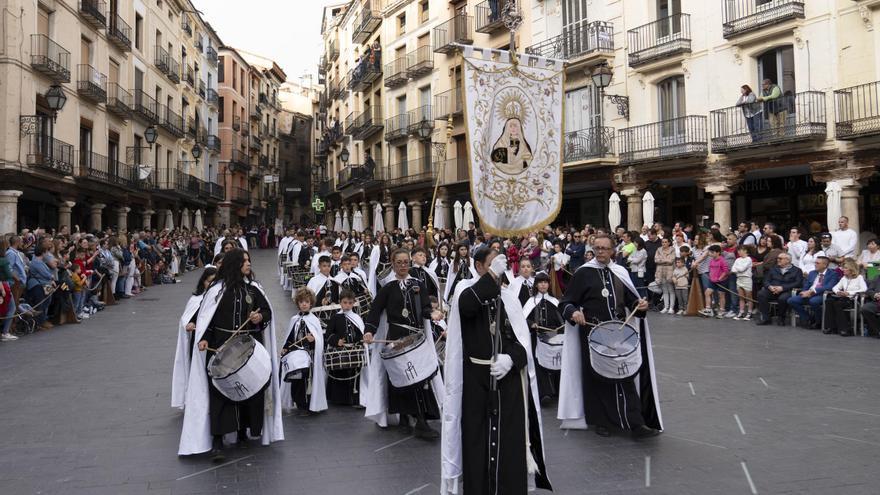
(501, 366)
(499, 265)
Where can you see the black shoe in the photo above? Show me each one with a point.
(828, 331)
(602, 431)
(762, 323)
(243, 439)
(217, 450)
(425, 432)
(644, 432)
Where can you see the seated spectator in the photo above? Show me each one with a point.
(778, 284)
(871, 255)
(842, 299)
(871, 308)
(822, 279)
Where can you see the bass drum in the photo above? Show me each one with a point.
(240, 368)
(548, 350)
(615, 350)
(410, 360)
(293, 363)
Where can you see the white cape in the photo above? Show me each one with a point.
(535, 300)
(318, 399)
(218, 246)
(195, 436)
(453, 274)
(180, 373)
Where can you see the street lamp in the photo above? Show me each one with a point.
(56, 99)
(151, 135)
(601, 76)
(344, 155)
(426, 128)
(196, 152)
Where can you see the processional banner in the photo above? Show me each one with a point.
(513, 110)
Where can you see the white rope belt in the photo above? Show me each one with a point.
(484, 362)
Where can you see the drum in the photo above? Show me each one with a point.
(346, 358)
(363, 303)
(293, 363)
(299, 276)
(548, 350)
(240, 368)
(615, 350)
(410, 360)
(324, 313)
(384, 270)
(282, 259)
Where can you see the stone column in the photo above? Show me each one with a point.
(389, 217)
(122, 219)
(64, 210)
(365, 212)
(9, 211)
(721, 202)
(416, 215)
(148, 218)
(633, 209)
(849, 204)
(95, 223)
(163, 216)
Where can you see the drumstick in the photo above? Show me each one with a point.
(625, 322)
(552, 330)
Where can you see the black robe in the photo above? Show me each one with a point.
(463, 273)
(545, 314)
(477, 310)
(305, 256)
(343, 386)
(418, 399)
(421, 273)
(299, 386)
(606, 403)
(233, 309)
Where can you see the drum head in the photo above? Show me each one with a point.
(402, 346)
(231, 356)
(613, 339)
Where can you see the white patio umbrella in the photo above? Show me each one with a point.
(648, 208)
(337, 226)
(199, 222)
(832, 203)
(439, 215)
(468, 217)
(169, 220)
(346, 227)
(402, 221)
(456, 213)
(184, 219)
(378, 219)
(357, 224)
(614, 211)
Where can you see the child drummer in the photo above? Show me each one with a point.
(542, 313)
(305, 333)
(345, 331)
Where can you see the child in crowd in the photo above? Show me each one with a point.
(78, 290)
(718, 274)
(680, 282)
(742, 267)
(687, 256)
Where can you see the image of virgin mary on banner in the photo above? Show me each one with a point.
(514, 120)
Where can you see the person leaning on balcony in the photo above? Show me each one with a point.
(369, 165)
(752, 111)
(774, 105)
(376, 55)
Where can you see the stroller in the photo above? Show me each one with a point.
(25, 319)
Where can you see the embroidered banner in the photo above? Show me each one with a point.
(514, 119)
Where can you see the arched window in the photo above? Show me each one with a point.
(778, 66)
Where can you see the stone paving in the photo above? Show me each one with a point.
(747, 409)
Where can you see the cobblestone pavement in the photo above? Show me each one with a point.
(747, 409)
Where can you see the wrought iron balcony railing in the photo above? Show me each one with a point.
(173, 70)
(448, 103)
(213, 144)
(332, 51)
(190, 76)
(419, 62)
(212, 97)
(146, 108)
(459, 29)
(857, 111)
(489, 16)
(395, 73)
(119, 33)
(369, 122)
(119, 101)
(211, 55)
(50, 59)
(679, 137)
(162, 60)
(743, 16)
(369, 22)
(50, 154)
(577, 42)
(171, 121)
(91, 84)
(396, 127)
(94, 12)
(240, 161)
(789, 118)
(365, 73)
(410, 173)
(241, 195)
(94, 166)
(216, 191)
(202, 89)
(588, 144)
(659, 39)
(186, 25)
(420, 118)
(166, 179)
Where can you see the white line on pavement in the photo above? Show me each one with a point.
(394, 443)
(852, 439)
(731, 367)
(739, 423)
(854, 412)
(749, 478)
(695, 441)
(647, 471)
(417, 490)
(763, 381)
(691, 385)
(214, 468)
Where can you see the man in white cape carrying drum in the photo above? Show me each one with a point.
(602, 291)
(491, 391)
(227, 302)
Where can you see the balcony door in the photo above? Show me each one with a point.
(583, 122)
(669, 22)
(778, 66)
(574, 27)
(671, 109)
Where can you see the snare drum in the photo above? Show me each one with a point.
(548, 350)
(345, 359)
(410, 360)
(384, 270)
(363, 303)
(615, 350)
(240, 368)
(299, 276)
(293, 363)
(324, 313)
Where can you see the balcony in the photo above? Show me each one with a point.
(186, 25)
(857, 111)
(211, 55)
(171, 121)
(660, 39)
(584, 45)
(240, 195)
(239, 161)
(49, 59)
(236, 123)
(203, 89)
(448, 103)
(216, 191)
(119, 33)
(411, 173)
(146, 108)
(188, 184)
(365, 74)
(119, 101)
(192, 128)
(167, 179)
(91, 84)
(419, 62)
(190, 76)
(368, 123)
(94, 12)
(200, 47)
(332, 51)
(681, 137)
(369, 22)
(50, 154)
(167, 65)
(459, 29)
(419, 118)
(212, 97)
(256, 113)
(213, 144)
(349, 176)
(256, 143)
(396, 127)
(395, 73)
(99, 168)
(489, 17)
(264, 130)
(789, 118)
(173, 71)
(744, 16)
(594, 143)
